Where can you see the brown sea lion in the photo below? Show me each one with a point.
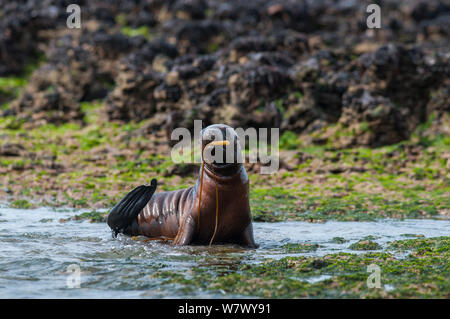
(215, 210)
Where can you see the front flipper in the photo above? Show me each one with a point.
(246, 238)
(186, 232)
(127, 210)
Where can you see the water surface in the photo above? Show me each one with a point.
(37, 249)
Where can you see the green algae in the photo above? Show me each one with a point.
(21, 203)
(10, 87)
(423, 273)
(339, 240)
(365, 245)
(134, 32)
(289, 141)
(300, 248)
(92, 216)
(438, 243)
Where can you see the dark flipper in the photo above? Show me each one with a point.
(125, 211)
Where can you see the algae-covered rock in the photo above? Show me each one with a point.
(365, 245)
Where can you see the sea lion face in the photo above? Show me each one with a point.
(221, 149)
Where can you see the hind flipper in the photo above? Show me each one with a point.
(126, 211)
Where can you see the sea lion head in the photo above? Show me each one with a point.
(221, 149)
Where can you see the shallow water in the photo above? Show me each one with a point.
(37, 249)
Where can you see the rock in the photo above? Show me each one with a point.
(11, 149)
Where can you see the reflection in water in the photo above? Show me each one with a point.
(36, 250)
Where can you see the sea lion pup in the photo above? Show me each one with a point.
(215, 210)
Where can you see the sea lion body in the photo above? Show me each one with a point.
(175, 214)
(163, 213)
